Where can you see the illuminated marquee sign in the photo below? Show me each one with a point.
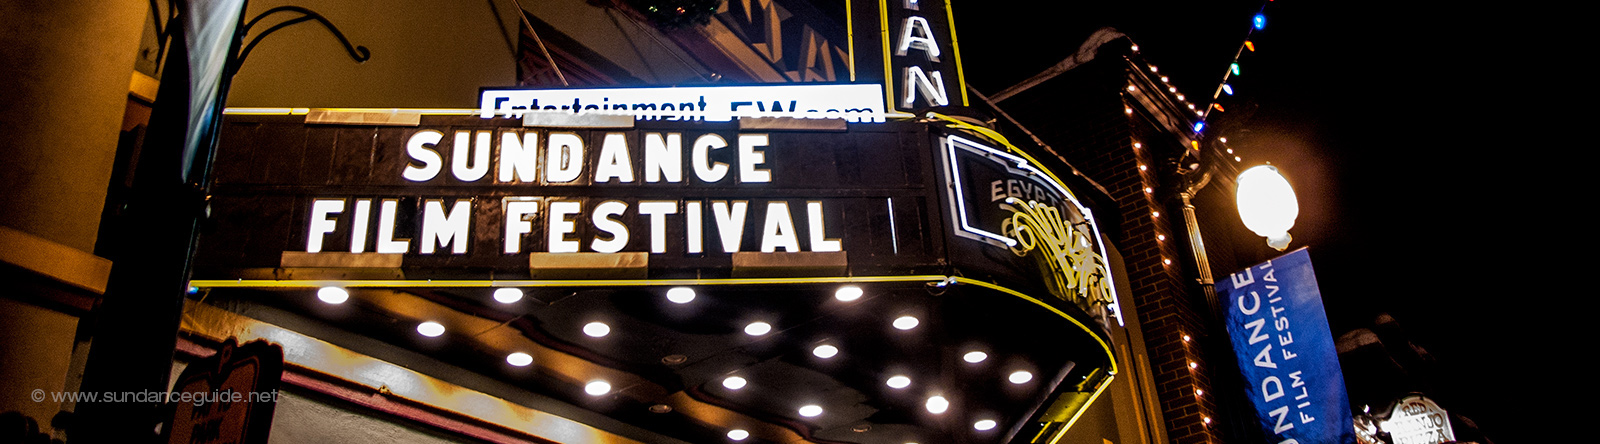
(519, 158)
(462, 197)
(921, 63)
(852, 102)
(1006, 202)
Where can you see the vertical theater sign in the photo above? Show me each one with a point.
(793, 263)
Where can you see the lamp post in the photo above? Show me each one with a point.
(1267, 204)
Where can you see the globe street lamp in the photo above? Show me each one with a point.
(1267, 204)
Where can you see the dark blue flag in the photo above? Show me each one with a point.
(1291, 369)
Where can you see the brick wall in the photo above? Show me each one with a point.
(1097, 135)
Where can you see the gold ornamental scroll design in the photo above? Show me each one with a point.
(1076, 272)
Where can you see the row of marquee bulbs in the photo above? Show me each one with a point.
(683, 295)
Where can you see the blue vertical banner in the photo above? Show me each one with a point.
(1280, 335)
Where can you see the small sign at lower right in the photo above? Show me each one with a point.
(1285, 350)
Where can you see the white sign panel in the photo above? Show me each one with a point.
(852, 102)
(1417, 420)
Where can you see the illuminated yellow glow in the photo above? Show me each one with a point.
(961, 76)
(425, 283)
(1102, 388)
(303, 111)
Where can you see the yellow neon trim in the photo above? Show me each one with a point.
(961, 76)
(1003, 141)
(888, 79)
(258, 111)
(1086, 405)
(1107, 347)
(302, 111)
(850, 37)
(480, 283)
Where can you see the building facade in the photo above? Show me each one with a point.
(886, 312)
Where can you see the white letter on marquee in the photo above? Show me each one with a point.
(749, 158)
(386, 242)
(561, 226)
(417, 148)
(358, 228)
(464, 152)
(909, 38)
(779, 229)
(918, 80)
(730, 224)
(663, 158)
(320, 223)
(519, 156)
(564, 158)
(439, 229)
(517, 224)
(704, 168)
(604, 220)
(694, 225)
(819, 238)
(658, 211)
(614, 161)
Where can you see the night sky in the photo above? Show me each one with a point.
(1362, 106)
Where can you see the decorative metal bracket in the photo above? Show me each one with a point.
(358, 53)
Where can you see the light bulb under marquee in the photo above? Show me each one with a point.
(333, 295)
(825, 351)
(596, 329)
(984, 424)
(906, 322)
(811, 410)
(507, 295)
(734, 382)
(937, 404)
(680, 295)
(519, 359)
(430, 329)
(738, 434)
(597, 388)
(1020, 377)
(848, 293)
(757, 328)
(898, 381)
(975, 357)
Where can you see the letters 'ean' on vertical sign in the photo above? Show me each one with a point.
(917, 41)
